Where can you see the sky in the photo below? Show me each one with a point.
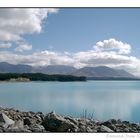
(77, 37)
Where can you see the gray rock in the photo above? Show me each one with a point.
(119, 125)
(56, 123)
(82, 128)
(88, 129)
(1, 129)
(37, 128)
(37, 118)
(5, 121)
(126, 129)
(135, 125)
(12, 120)
(73, 120)
(110, 122)
(118, 130)
(113, 121)
(126, 122)
(106, 123)
(28, 114)
(119, 121)
(19, 124)
(26, 127)
(94, 131)
(13, 130)
(16, 127)
(113, 127)
(105, 129)
(27, 121)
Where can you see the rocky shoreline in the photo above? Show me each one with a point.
(12, 120)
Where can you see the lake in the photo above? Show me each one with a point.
(102, 99)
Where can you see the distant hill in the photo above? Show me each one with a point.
(55, 69)
(101, 71)
(10, 68)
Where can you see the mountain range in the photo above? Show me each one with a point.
(100, 71)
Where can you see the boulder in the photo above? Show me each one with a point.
(56, 123)
(37, 118)
(41, 115)
(19, 130)
(19, 124)
(110, 124)
(85, 129)
(73, 120)
(37, 128)
(103, 128)
(5, 121)
(126, 130)
(27, 121)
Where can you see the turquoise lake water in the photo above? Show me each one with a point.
(102, 99)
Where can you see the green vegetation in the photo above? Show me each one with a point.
(39, 77)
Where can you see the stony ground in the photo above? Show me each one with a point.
(12, 120)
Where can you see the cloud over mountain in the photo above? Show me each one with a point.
(91, 58)
(15, 23)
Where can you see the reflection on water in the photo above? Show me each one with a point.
(105, 99)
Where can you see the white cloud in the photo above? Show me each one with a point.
(5, 45)
(113, 45)
(7, 36)
(14, 22)
(106, 57)
(23, 47)
(110, 59)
